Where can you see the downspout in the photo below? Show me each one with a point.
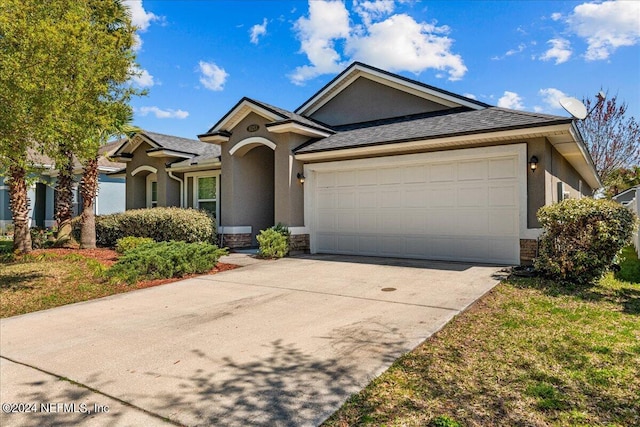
(170, 173)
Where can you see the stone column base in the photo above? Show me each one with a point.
(528, 251)
(299, 244)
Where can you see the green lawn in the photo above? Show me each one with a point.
(530, 353)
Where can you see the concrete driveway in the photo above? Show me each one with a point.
(278, 343)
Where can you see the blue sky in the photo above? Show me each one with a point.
(198, 58)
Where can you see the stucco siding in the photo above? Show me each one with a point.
(560, 171)
(366, 100)
(111, 195)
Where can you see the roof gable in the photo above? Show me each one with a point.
(359, 70)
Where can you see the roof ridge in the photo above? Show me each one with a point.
(531, 113)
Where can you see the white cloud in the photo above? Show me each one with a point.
(370, 10)
(521, 47)
(400, 43)
(511, 100)
(257, 31)
(469, 95)
(556, 16)
(606, 26)
(163, 114)
(551, 97)
(140, 17)
(560, 51)
(396, 42)
(213, 77)
(327, 21)
(141, 77)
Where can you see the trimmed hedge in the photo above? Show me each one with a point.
(159, 224)
(165, 260)
(582, 238)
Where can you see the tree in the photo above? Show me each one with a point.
(97, 93)
(613, 139)
(28, 91)
(622, 179)
(62, 64)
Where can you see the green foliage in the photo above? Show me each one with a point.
(130, 242)
(274, 241)
(159, 224)
(582, 238)
(444, 421)
(42, 238)
(629, 266)
(165, 260)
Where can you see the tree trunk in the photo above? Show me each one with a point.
(64, 200)
(19, 209)
(89, 190)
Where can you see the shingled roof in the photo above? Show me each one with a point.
(443, 124)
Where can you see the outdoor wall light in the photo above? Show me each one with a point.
(300, 178)
(533, 163)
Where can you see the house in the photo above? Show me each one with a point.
(374, 164)
(626, 196)
(165, 170)
(631, 199)
(41, 194)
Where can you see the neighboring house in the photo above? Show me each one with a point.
(631, 199)
(627, 195)
(41, 195)
(375, 164)
(164, 170)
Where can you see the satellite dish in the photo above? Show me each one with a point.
(574, 107)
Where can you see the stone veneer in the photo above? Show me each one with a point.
(528, 251)
(299, 243)
(235, 241)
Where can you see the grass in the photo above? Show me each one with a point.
(48, 279)
(529, 353)
(38, 282)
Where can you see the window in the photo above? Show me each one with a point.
(154, 194)
(152, 190)
(206, 194)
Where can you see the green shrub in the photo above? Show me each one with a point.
(41, 238)
(130, 242)
(582, 238)
(159, 224)
(444, 421)
(274, 242)
(165, 260)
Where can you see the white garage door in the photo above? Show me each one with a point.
(463, 210)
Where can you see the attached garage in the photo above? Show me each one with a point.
(462, 205)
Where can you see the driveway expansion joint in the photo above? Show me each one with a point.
(93, 390)
(235, 282)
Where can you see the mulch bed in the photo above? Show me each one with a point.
(108, 257)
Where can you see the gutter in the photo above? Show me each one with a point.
(181, 181)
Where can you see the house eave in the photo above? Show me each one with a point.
(215, 137)
(298, 128)
(560, 136)
(196, 167)
(169, 153)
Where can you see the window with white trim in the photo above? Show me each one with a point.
(152, 190)
(206, 194)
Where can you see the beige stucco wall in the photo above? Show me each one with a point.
(260, 188)
(366, 100)
(136, 186)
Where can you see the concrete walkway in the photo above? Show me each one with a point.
(278, 343)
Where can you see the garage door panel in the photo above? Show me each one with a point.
(473, 222)
(472, 170)
(506, 168)
(443, 172)
(503, 195)
(472, 196)
(367, 177)
(326, 200)
(443, 197)
(465, 210)
(415, 174)
(345, 179)
(346, 200)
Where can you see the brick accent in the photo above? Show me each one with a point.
(235, 241)
(299, 243)
(528, 251)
